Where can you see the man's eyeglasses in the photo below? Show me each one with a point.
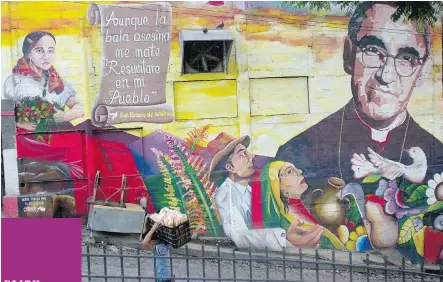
(374, 57)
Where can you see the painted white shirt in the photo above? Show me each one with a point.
(234, 205)
(18, 87)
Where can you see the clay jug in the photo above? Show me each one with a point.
(326, 206)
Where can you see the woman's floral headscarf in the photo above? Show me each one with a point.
(52, 78)
(55, 82)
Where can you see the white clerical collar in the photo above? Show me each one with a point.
(381, 135)
(242, 189)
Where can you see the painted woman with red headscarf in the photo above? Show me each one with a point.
(34, 77)
(50, 158)
(47, 162)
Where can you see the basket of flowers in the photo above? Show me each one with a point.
(37, 111)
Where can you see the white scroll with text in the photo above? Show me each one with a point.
(136, 42)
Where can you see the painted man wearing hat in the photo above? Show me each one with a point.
(232, 168)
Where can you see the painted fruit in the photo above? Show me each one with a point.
(353, 236)
(419, 241)
(363, 244)
(351, 225)
(360, 231)
(343, 234)
(350, 245)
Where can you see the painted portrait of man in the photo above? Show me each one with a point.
(232, 166)
(385, 68)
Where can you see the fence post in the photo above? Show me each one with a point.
(333, 266)
(250, 265)
(187, 263)
(403, 268)
(386, 268)
(422, 270)
(203, 263)
(267, 263)
(170, 265)
(316, 265)
(367, 267)
(105, 266)
(88, 259)
(218, 262)
(284, 262)
(233, 263)
(121, 264)
(350, 267)
(301, 263)
(139, 273)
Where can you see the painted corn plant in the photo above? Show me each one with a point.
(186, 181)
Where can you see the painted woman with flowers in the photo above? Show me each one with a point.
(40, 94)
(57, 163)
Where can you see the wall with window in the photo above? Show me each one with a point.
(275, 104)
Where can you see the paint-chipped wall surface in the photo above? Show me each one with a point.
(272, 126)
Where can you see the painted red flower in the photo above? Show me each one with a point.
(216, 3)
(27, 109)
(394, 198)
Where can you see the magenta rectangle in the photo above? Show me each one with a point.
(41, 249)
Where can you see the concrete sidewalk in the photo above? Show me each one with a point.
(226, 249)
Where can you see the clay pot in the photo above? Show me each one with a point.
(326, 206)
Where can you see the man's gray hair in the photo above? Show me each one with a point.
(359, 15)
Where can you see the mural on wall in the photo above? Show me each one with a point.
(50, 149)
(366, 176)
(44, 102)
(373, 143)
(136, 42)
(40, 93)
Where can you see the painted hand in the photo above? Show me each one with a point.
(304, 237)
(60, 116)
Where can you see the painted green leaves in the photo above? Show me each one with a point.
(372, 178)
(437, 207)
(417, 196)
(406, 231)
(186, 182)
(353, 214)
(414, 195)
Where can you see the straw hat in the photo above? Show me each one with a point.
(222, 146)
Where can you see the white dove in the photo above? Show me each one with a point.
(414, 173)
